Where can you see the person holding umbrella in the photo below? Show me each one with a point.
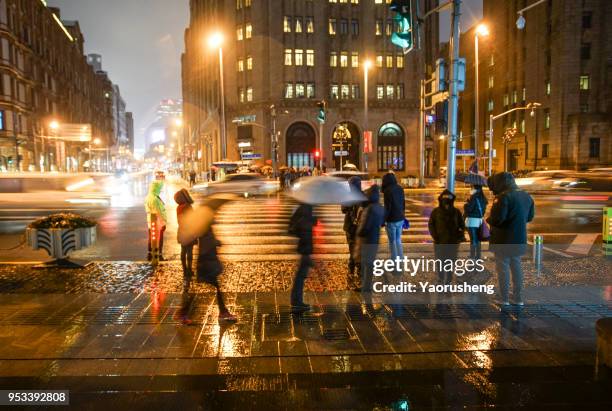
(371, 219)
(300, 225)
(474, 211)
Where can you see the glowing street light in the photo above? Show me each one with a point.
(215, 40)
(481, 30)
(54, 125)
(367, 64)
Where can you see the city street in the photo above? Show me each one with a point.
(256, 228)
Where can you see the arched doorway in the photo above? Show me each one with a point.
(300, 143)
(391, 147)
(345, 144)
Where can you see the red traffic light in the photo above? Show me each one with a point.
(317, 154)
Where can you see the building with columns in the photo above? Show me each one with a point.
(290, 55)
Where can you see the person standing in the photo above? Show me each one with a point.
(300, 225)
(512, 209)
(155, 208)
(474, 211)
(371, 218)
(447, 229)
(395, 207)
(350, 224)
(192, 178)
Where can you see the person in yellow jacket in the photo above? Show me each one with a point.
(155, 205)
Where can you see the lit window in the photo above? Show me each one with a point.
(355, 91)
(490, 105)
(390, 61)
(248, 31)
(390, 91)
(400, 91)
(288, 58)
(344, 91)
(379, 27)
(548, 88)
(310, 57)
(379, 61)
(399, 61)
(378, 1)
(288, 90)
(332, 27)
(334, 91)
(584, 82)
(523, 126)
(333, 1)
(354, 1)
(249, 94)
(310, 90)
(506, 100)
(298, 24)
(343, 59)
(491, 60)
(238, 4)
(491, 81)
(333, 59)
(287, 24)
(524, 94)
(249, 63)
(389, 27)
(241, 94)
(299, 57)
(240, 65)
(247, 3)
(300, 91)
(514, 97)
(380, 92)
(309, 25)
(354, 59)
(239, 33)
(547, 119)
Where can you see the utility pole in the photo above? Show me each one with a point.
(273, 142)
(422, 136)
(453, 103)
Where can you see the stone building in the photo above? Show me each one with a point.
(561, 59)
(280, 59)
(45, 77)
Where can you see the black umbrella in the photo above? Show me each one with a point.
(471, 179)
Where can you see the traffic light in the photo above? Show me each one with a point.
(317, 154)
(405, 35)
(322, 111)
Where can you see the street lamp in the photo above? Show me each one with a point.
(520, 21)
(481, 30)
(366, 68)
(215, 40)
(530, 106)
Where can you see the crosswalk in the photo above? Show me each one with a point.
(257, 228)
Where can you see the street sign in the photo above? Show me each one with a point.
(469, 152)
(252, 156)
(343, 153)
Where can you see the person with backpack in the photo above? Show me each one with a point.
(184, 209)
(395, 208)
(447, 229)
(474, 212)
(300, 225)
(351, 213)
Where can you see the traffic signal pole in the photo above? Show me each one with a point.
(453, 103)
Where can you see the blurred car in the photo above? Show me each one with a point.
(544, 180)
(246, 184)
(366, 182)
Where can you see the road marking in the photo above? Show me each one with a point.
(582, 244)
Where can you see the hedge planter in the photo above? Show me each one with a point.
(59, 235)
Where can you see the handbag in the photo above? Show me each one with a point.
(484, 233)
(406, 224)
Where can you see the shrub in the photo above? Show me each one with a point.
(63, 220)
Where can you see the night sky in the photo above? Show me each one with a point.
(141, 42)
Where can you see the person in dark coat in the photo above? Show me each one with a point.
(473, 212)
(209, 268)
(395, 207)
(350, 224)
(371, 218)
(300, 225)
(184, 201)
(512, 209)
(192, 178)
(447, 229)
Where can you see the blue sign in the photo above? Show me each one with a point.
(251, 156)
(469, 152)
(430, 118)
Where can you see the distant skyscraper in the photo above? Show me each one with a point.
(129, 125)
(167, 112)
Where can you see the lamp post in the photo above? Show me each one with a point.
(530, 106)
(366, 68)
(481, 30)
(216, 41)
